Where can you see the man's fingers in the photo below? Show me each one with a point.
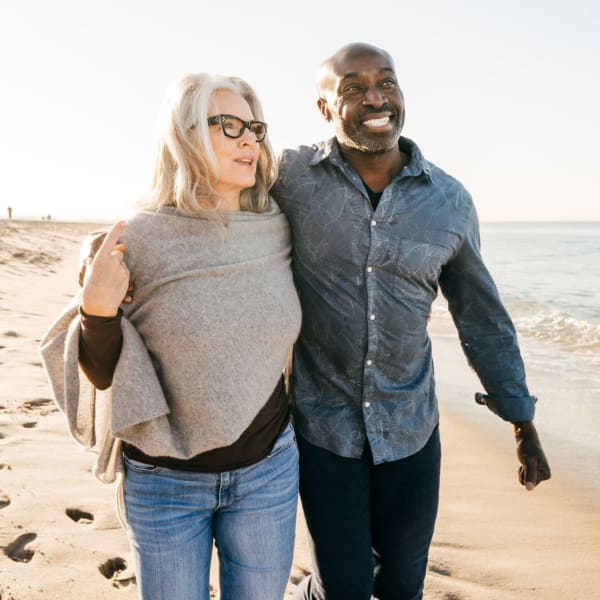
(129, 294)
(543, 471)
(534, 467)
(531, 475)
(533, 472)
(84, 270)
(525, 479)
(87, 263)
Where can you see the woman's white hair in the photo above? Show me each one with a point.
(186, 165)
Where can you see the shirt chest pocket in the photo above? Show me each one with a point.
(419, 264)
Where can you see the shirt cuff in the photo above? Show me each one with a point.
(512, 408)
(97, 323)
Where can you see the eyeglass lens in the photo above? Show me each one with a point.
(234, 127)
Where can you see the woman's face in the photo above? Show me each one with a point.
(237, 158)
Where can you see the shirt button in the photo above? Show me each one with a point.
(369, 269)
(367, 404)
(369, 362)
(373, 222)
(372, 317)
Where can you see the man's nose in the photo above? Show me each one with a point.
(374, 97)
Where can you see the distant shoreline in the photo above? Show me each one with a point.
(61, 221)
(106, 221)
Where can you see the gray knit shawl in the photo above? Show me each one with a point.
(205, 340)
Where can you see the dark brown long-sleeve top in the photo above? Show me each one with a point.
(99, 348)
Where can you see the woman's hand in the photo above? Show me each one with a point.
(106, 276)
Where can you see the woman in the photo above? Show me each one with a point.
(196, 402)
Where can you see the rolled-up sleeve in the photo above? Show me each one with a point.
(486, 332)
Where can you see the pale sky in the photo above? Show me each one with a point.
(504, 96)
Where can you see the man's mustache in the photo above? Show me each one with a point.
(377, 111)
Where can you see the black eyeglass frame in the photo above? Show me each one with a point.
(220, 120)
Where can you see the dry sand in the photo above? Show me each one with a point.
(60, 538)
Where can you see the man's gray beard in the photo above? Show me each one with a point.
(369, 146)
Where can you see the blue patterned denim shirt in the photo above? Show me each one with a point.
(363, 366)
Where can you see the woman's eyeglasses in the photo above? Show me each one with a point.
(233, 127)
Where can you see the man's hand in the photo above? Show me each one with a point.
(534, 466)
(106, 278)
(88, 252)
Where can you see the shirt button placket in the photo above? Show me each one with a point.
(371, 291)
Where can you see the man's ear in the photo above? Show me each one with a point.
(324, 109)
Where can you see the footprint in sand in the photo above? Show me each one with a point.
(5, 594)
(79, 516)
(5, 466)
(17, 551)
(29, 424)
(4, 502)
(115, 569)
(439, 569)
(39, 406)
(11, 334)
(38, 402)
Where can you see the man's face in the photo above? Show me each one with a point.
(362, 99)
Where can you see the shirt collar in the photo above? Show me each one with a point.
(417, 164)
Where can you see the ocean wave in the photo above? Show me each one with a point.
(557, 327)
(535, 320)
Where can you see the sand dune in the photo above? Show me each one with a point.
(60, 537)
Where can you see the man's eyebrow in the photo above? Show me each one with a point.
(355, 74)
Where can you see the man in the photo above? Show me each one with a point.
(377, 230)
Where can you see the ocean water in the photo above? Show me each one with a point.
(548, 275)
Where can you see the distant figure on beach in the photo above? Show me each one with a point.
(9, 209)
(377, 230)
(194, 361)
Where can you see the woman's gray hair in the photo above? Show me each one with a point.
(186, 164)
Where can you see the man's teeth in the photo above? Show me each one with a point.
(377, 122)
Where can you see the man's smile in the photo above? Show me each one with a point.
(377, 122)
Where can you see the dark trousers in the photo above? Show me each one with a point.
(371, 525)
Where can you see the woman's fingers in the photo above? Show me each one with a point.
(107, 279)
(111, 241)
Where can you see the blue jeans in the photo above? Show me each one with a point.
(371, 525)
(173, 517)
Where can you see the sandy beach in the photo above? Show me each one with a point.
(60, 537)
